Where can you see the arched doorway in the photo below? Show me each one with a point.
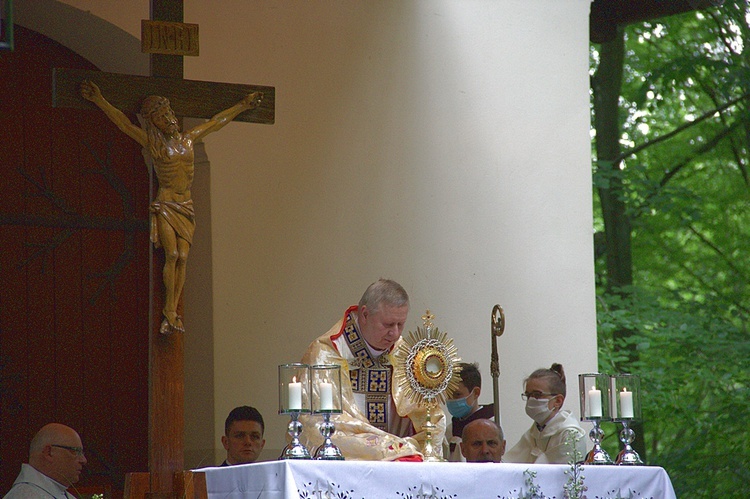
(74, 289)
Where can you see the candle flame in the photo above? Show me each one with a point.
(624, 389)
(294, 379)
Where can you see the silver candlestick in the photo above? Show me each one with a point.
(627, 455)
(294, 399)
(594, 399)
(326, 389)
(327, 450)
(294, 449)
(626, 399)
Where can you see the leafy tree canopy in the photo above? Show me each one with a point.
(682, 180)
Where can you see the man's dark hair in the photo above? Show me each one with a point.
(244, 413)
(470, 376)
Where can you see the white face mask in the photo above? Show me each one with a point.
(538, 410)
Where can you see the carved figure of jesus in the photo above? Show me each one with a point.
(172, 154)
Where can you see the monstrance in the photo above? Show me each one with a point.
(426, 368)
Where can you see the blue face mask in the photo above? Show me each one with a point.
(459, 408)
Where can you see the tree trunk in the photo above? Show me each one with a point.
(607, 86)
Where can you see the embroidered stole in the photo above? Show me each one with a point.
(369, 376)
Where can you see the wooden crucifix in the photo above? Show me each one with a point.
(196, 99)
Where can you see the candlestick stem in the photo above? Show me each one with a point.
(627, 456)
(295, 449)
(597, 455)
(327, 450)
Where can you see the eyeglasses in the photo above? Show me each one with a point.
(536, 395)
(78, 451)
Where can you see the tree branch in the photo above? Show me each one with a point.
(700, 151)
(679, 129)
(718, 251)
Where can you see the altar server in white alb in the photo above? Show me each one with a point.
(555, 437)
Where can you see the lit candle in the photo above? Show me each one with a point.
(595, 403)
(326, 396)
(295, 395)
(626, 403)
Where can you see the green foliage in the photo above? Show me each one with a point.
(685, 132)
(695, 383)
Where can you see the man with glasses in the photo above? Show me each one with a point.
(55, 463)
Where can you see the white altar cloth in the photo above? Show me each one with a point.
(373, 480)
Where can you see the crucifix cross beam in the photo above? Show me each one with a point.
(189, 98)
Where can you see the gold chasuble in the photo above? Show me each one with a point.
(378, 422)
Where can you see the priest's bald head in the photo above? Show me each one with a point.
(56, 451)
(482, 441)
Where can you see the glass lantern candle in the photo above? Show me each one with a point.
(294, 399)
(594, 400)
(626, 395)
(326, 389)
(626, 404)
(325, 380)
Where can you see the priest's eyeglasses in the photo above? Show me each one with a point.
(536, 395)
(78, 451)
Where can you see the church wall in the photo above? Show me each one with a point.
(443, 144)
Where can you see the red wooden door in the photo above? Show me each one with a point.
(74, 290)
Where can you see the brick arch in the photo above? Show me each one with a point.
(74, 286)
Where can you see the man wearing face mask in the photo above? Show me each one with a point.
(555, 437)
(464, 408)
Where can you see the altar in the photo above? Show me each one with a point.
(291, 479)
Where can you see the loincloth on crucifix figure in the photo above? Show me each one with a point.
(171, 154)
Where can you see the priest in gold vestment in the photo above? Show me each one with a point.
(378, 421)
